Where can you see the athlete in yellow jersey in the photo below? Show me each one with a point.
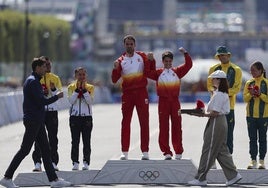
(234, 77)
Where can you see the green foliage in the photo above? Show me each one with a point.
(46, 36)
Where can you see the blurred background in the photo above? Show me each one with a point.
(89, 33)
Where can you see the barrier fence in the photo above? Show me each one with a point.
(11, 104)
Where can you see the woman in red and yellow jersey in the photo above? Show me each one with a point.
(168, 89)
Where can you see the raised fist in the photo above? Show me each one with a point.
(182, 50)
(150, 56)
(116, 64)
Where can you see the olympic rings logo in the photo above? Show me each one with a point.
(149, 175)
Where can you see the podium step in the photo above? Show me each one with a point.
(146, 172)
(40, 178)
(216, 176)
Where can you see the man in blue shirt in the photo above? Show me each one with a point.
(33, 119)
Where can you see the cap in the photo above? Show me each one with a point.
(221, 50)
(217, 74)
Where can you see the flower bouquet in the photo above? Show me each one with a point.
(199, 109)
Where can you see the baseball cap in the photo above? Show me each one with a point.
(217, 74)
(221, 50)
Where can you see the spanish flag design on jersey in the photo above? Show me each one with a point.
(168, 83)
(131, 70)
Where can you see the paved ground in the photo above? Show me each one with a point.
(106, 140)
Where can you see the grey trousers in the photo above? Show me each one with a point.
(215, 147)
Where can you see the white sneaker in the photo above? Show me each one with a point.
(37, 167)
(261, 164)
(86, 166)
(236, 179)
(168, 157)
(75, 166)
(145, 156)
(8, 183)
(60, 183)
(55, 167)
(252, 164)
(197, 182)
(178, 156)
(124, 156)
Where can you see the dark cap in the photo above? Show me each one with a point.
(221, 50)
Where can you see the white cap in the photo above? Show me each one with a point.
(217, 74)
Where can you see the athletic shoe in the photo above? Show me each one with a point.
(178, 156)
(236, 179)
(168, 157)
(85, 167)
(124, 156)
(261, 164)
(55, 167)
(60, 183)
(37, 167)
(75, 166)
(252, 164)
(145, 156)
(197, 182)
(8, 183)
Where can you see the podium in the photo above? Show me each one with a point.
(140, 172)
(146, 172)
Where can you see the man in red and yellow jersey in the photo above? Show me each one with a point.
(168, 89)
(130, 68)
